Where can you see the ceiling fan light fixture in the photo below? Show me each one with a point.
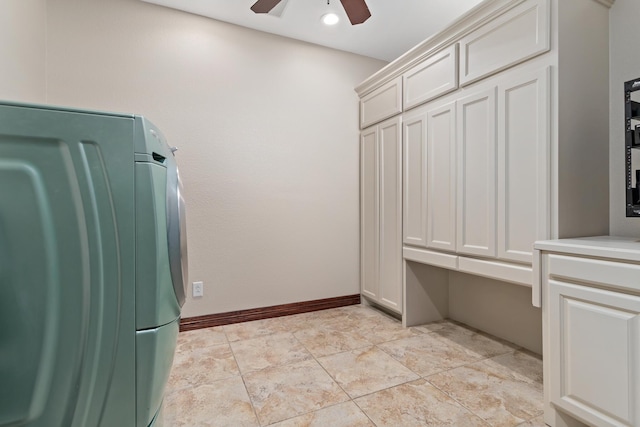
(330, 18)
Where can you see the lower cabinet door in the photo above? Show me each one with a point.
(390, 167)
(595, 354)
(369, 213)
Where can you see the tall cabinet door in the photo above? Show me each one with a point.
(441, 177)
(390, 182)
(476, 153)
(369, 219)
(414, 127)
(523, 158)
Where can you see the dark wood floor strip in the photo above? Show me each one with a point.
(219, 319)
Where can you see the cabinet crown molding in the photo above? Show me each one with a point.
(465, 24)
(476, 17)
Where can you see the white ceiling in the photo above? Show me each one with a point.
(394, 27)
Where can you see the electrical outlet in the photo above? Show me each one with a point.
(198, 289)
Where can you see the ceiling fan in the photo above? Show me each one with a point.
(357, 10)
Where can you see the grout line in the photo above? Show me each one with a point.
(365, 414)
(459, 403)
(253, 407)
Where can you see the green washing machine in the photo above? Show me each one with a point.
(93, 267)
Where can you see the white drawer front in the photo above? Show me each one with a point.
(382, 103)
(512, 273)
(616, 275)
(438, 259)
(431, 78)
(513, 37)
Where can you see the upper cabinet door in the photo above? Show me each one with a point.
(441, 177)
(382, 103)
(513, 37)
(433, 77)
(476, 184)
(415, 178)
(390, 182)
(369, 220)
(523, 164)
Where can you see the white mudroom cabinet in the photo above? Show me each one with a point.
(504, 141)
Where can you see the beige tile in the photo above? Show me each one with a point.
(381, 329)
(523, 365)
(342, 318)
(256, 328)
(437, 326)
(221, 404)
(202, 366)
(428, 354)
(503, 390)
(365, 371)
(536, 422)
(312, 320)
(283, 392)
(348, 310)
(289, 388)
(301, 322)
(199, 338)
(449, 347)
(362, 312)
(267, 351)
(342, 415)
(339, 312)
(323, 341)
(473, 341)
(416, 403)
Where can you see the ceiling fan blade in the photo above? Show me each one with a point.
(264, 6)
(357, 11)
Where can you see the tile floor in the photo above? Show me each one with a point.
(351, 366)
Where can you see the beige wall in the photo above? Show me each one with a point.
(22, 49)
(498, 308)
(267, 135)
(624, 65)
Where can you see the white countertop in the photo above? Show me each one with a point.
(621, 248)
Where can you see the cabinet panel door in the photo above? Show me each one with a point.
(594, 351)
(523, 147)
(415, 179)
(432, 78)
(382, 103)
(476, 186)
(390, 181)
(441, 177)
(369, 220)
(513, 37)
